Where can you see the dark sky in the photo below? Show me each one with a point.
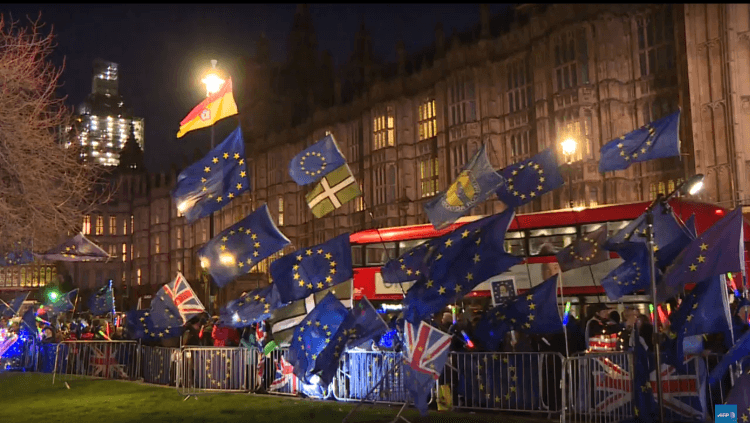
(163, 50)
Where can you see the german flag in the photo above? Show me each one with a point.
(211, 110)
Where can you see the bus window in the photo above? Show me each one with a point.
(405, 246)
(378, 254)
(514, 243)
(587, 229)
(613, 227)
(357, 255)
(550, 240)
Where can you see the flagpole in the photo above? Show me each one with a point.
(377, 230)
(210, 237)
(655, 336)
(565, 329)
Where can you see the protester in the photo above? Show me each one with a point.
(600, 334)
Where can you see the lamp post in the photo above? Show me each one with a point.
(569, 147)
(691, 186)
(213, 83)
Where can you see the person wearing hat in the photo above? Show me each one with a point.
(601, 336)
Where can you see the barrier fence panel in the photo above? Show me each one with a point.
(213, 369)
(278, 377)
(159, 365)
(97, 359)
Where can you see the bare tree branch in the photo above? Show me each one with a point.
(44, 187)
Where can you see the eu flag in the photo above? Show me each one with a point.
(410, 266)
(141, 326)
(460, 261)
(12, 258)
(78, 248)
(645, 408)
(313, 269)
(14, 305)
(690, 227)
(704, 310)
(718, 250)
(584, 251)
(426, 353)
(102, 302)
(241, 246)
(252, 307)
(366, 324)
(29, 318)
(63, 302)
(316, 161)
(175, 300)
(632, 275)
(213, 181)
(740, 397)
(739, 352)
(476, 182)
(314, 334)
(534, 312)
(529, 179)
(670, 236)
(655, 140)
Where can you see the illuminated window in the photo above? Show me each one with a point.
(86, 229)
(382, 128)
(519, 86)
(428, 176)
(281, 210)
(179, 237)
(655, 42)
(652, 191)
(124, 226)
(138, 275)
(157, 244)
(131, 252)
(132, 221)
(113, 225)
(462, 102)
(661, 188)
(427, 119)
(99, 225)
(359, 202)
(124, 252)
(670, 186)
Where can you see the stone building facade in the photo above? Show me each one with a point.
(518, 83)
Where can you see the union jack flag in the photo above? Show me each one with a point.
(260, 339)
(8, 342)
(285, 377)
(683, 393)
(427, 348)
(104, 363)
(183, 297)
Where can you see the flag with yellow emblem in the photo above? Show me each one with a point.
(528, 179)
(214, 108)
(213, 181)
(241, 246)
(78, 248)
(718, 250)
(476, 182)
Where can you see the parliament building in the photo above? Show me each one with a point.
(518, 82)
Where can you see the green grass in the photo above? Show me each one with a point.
(26, 397)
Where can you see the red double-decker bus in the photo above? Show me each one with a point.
(534, 236)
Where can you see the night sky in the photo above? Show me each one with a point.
(163, 50)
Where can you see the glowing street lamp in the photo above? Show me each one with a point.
(212, 80)
(569, 147)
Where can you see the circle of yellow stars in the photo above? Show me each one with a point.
(644, 147)
(151, 334)
(593, 253)
(321, 168)
(499, 316)
(632, 282)
(249, 262)
(468, 278)
(250, 298)
(531, 194)
(310, 284)
(213, 359)
(231, 191)
(700, 259)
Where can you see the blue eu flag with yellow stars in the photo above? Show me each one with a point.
(313, 269)
(528, 179)
(103, 301)
(316, 161)
(63, 302)
(410, 266)
(78, 248)
(718, 250)
(314, 334)
(213, 181)
(459, 261)
(241, 246)
(19, 256)
(704, 310)
(12, 309)
(632, 275)
(534, 312)
(655, 140)
(250, 308)
(584, 251)
(670, 235)
(476, 182)
(141, 326)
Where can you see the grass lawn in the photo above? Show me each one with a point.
(26, 397)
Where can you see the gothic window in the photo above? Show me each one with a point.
(113, 225)
(428, 176)
(427, 119)
(566, 64)
(520, 95)
(86, 227)
(462, 101)
(519, 146)
(383, 134)
(656, 42)
(459, 157)
(99, 225)
(281, 210)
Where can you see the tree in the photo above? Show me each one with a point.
(44, 187)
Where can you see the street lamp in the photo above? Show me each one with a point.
(569, 148)
(691, 186)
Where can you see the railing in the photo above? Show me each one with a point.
(213, 369)
(159, 365)
(97, 359)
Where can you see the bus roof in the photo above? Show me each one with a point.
(709, 214)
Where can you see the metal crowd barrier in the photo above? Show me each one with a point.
(597, 387)
(213, 369)
(97, 359)
(360, 371)
(159, 365)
